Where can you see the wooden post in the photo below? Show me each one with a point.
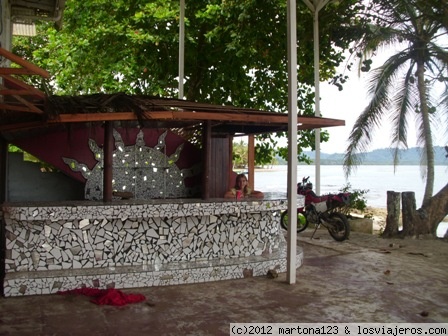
(3, 192)
(393, 214)
(206, 143)
(3, 169)
(230, 177)
(251, 161)
(108, 148)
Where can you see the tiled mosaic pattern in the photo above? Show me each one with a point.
(151, 275)
(145, 171)
(132, 245)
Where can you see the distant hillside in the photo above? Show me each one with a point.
(384, 156)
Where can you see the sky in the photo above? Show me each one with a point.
(348, 105)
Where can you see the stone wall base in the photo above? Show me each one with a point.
(50, 282)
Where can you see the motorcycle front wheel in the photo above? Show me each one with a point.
(338, 226)
(302, 222)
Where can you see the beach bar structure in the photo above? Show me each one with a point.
(151, 210)
(133, 203)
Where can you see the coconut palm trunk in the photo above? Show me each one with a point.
(427, 135)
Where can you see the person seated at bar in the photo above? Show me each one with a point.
(242, 189)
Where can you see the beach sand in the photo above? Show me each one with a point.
(379, 216)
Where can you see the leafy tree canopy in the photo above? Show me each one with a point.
(235, 51)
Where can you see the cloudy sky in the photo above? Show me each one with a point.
(348, 105)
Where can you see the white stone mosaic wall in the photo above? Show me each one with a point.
(132, 245)
(150, 275)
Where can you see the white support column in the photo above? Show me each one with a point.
(181, 48)
(292, 143)
(315, 7)
(317, 98)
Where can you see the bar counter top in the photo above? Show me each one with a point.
(123, 209)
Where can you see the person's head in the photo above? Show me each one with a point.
(241, 182)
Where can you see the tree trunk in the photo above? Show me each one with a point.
(393, 214)
(411, 219)
(426, 219)
(436, 209)
(425, 129)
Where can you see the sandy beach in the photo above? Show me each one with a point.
(379, 216)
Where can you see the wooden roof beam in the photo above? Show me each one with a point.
(320, 122)
(20, 108)
(12, 92)
(27, 65)
(28, 88)
(16, 71)
(304, 122)
(169, 115)
(31, 106)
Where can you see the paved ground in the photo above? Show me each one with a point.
(365, 279)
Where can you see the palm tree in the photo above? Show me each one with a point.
(240, 154)
(401, 87)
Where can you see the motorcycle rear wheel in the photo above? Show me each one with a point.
(302, 222)
(338, 226)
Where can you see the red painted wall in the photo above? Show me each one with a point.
(74, 144)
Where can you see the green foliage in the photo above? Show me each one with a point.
(357, 201)
(14, 149)
(44, 167)
(240, 152)
(235, 52)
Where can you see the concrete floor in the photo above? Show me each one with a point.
(364, 279)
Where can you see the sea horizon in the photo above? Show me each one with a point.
(376, 179)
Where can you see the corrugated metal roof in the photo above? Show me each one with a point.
(28, 11)
(22, 29)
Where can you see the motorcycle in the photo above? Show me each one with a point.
(320, 210)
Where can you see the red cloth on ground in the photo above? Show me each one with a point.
(111, 296)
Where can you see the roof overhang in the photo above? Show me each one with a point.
(26, 111)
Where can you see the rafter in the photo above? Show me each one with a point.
(16, 71)
(27, 65)
(28, 89)
(20, 108)
(269, 119)
(31, 106)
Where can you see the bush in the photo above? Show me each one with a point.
(357, 200)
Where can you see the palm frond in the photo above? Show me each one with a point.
(444, 108)
(379, 87)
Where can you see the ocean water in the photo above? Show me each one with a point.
(376, 179)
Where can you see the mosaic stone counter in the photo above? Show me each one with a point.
(129, 244)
